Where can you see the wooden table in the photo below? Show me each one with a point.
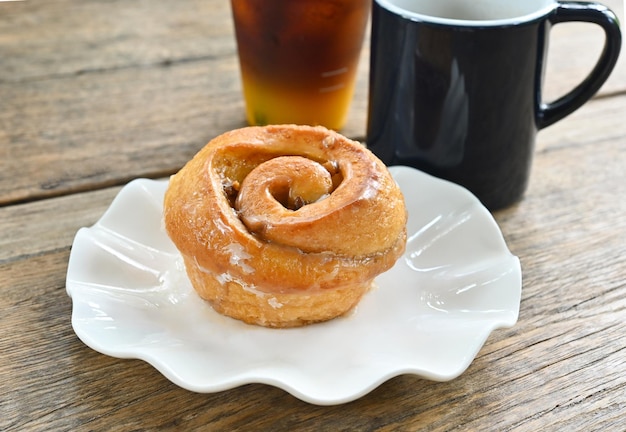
(95, 93)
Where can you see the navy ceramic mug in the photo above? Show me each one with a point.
(455, 86)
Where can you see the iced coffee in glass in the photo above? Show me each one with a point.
(298, 58)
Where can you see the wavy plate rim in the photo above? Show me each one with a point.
(112, 233)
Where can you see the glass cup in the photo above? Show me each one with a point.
(299, 58)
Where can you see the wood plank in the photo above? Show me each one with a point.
(523, 378)
(573, 50)
(47, 226)
(63, 38)
(95, 93)
(94, 138)
(562, 367)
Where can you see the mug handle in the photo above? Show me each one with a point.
(595, 13)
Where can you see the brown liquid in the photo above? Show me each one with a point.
(298, 58)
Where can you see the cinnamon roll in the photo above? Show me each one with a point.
(283, 226)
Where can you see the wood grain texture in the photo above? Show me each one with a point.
(99, 92)
(573, 49)
(562, 367)
(94, 93)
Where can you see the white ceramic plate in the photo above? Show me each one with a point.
(429, 315)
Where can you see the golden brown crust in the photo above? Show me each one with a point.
(287, 213)
(280, 310)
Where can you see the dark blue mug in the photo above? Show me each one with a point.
(456, 86)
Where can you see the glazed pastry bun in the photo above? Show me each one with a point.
(283, 226)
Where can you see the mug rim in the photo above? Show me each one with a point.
(415, 16)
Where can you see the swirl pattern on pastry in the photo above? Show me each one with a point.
(282, 226)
